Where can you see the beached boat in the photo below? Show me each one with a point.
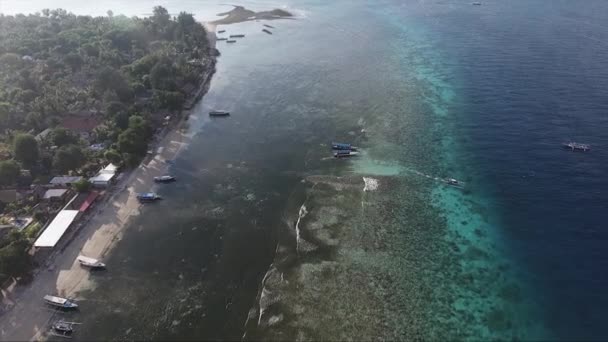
(576, 146)
(60, 302)
(231, 41)
(345, 153)
(265, 30)
(165, 179)
(90, 262)
(266, 25)
(219, 113)
(343, 146)
(237, 35)
(148, 197)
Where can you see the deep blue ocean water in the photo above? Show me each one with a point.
(485, 94)
(530, 75)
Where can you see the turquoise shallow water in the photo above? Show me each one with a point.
(266, 235)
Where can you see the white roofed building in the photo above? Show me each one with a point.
(55, 230)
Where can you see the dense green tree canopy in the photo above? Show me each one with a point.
(56, 64)
(26, 149)
(9, 172)
(68, 158)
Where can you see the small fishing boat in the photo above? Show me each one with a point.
(231, 41)
(576, 146)
(222, 39)
(345, 153)
(165, 179)
(148, 197)
(452, 181)
(266, 25)
(265, 30)
(219, 113)
(221, 31)
(343, 146)
(476, 3)
(90, 262)
(62, 328)
(237, 35)
(62, 303)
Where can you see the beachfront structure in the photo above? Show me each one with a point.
(105, 176)
(56, 195)
(64, 180)
(55, 230)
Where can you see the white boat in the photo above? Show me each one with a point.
(60, 302)
(90, 262)
(345, 153)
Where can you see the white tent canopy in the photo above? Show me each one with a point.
(56, 229)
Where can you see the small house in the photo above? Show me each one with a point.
(64, 180)
(55, 195)
(82, 125)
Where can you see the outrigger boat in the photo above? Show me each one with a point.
(62, 303)
(343, 146)
(345, 153)
(219, 113)
(148, 197)
(576, 146)
(164, 179)
(90, 262)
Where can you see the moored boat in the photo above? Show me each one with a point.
(164, 179)
(231, 41)
(267, 31)
(64, 328)
(345, 153)
(266, 25)
(237, 35)
(148, 197)
(219, 113)
(343, 146)
(222, 39)
(452, 181)
(574, 146)
(60, 302)
(221, 31)
(90, 262)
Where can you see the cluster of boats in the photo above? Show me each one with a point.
(229, 39)
(62, 328)
(343, 150)
(147, 197)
